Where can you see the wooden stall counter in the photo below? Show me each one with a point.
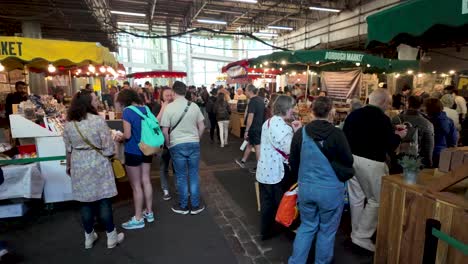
(237, 123)
(404, 213)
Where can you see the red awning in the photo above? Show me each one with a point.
(157, 74)
(242, 63)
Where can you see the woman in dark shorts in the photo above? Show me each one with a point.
(138, 166)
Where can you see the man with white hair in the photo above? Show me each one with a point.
(371, 137)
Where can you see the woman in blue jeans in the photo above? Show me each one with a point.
(321, 193)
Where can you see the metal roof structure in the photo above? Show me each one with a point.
(100, 20)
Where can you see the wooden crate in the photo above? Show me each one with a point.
(237, 123)
(404, 210)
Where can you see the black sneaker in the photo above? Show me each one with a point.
(241, 163)
(167, 197)
(253, 170)
(179, 210)
(197, 210)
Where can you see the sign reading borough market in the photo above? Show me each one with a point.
(342, 56)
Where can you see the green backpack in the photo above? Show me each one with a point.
(152, 138)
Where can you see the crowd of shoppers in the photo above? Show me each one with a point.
(315, 156)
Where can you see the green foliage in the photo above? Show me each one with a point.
(411, 163)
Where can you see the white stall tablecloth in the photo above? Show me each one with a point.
(22, 181)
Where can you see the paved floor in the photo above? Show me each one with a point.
(226, 233)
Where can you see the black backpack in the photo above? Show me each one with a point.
(410, 143)
(222, 112)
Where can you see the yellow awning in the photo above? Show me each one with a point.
(16, 52)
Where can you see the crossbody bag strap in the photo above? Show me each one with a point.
(88, 142)
(282, 153)
(182, 117)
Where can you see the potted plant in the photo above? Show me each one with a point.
(411, 165)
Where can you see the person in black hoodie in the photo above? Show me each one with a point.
(212, 114)
(372, 137)
(321, 159)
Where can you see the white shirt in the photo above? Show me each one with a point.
(461, 105)
(452, 114)
(270, 168)
(187, 130)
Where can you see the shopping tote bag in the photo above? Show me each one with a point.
(287, 210)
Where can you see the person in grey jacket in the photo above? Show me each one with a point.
(425, 128)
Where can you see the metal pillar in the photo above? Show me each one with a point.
(37, 82)
(169, 52)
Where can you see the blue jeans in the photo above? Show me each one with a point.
(320, 209)
(103, 208)
(185, 159)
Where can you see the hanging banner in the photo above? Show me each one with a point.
(237, 71)
(342, 85)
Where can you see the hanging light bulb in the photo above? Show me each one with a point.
(397, 75)
(368, 65)
(318, 62)
(410, 72)
(358, 64)
(51, 68)
(283, 62)
(91, 68)
(102, 69)
(281, 69)
(266, 63)
(2, 68)
(452, 72)
(420, 75)
(78, 71)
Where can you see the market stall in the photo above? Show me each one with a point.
(436, 38)
(37, 123)
(240, 74)
(341, 72)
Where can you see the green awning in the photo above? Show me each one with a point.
(419, 22)
(331, 60)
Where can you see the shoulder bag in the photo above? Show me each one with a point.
(117, 167)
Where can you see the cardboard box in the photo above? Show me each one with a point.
(446, 159)
(457, 159)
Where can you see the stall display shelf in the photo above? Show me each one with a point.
(49, 143)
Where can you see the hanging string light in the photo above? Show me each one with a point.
(91, 68)
(102, 69)
(51, 68)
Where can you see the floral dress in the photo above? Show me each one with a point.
(91, 174)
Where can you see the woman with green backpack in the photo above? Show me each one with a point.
(137, 164)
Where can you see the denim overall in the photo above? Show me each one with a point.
(320, 202)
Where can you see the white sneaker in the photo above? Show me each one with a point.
(364, 243)
(114, 238)
(90, 239)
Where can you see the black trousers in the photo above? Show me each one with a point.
(270, 198)
(213, 125)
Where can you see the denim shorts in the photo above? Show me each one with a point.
(133, 160)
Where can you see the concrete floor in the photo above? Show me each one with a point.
(227, 232)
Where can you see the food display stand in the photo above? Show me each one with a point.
(49, 143)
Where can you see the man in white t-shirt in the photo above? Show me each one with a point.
(183, 127)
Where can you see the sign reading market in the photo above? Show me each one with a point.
(11, 48)
(343, 56)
